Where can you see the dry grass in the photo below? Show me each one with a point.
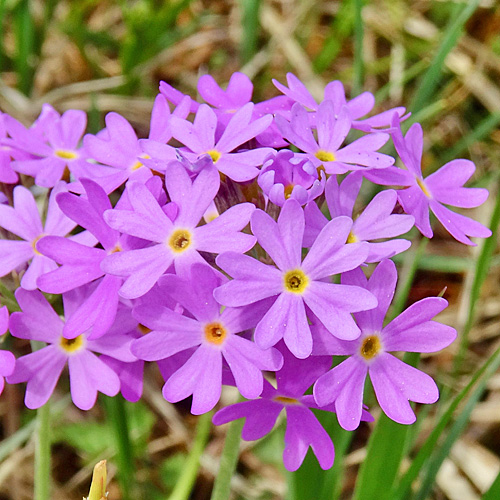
(398, 37)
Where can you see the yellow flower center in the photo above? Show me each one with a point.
(286, 400)
(35, 241)
(322, 155)
(423, 187)
(296, 281)
(65, 154)
(72, 345)
(138, 164)
(215, 333)
(288, 191)
(116, 248)
(352, 238)
(180, 240)
(370, 347)
(214, 154)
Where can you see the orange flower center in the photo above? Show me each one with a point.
(370, 347)
(215, 333)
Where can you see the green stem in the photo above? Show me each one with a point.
(228, 461)
(42, 445)
(117, 419)
(184, 485)
(42, 453)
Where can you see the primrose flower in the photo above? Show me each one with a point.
(286, 176)
(200, 138)
(24, 221)
(42, 369)
(54, 151)
(296, 284)
(123, 156)
(7, 174)
(238, 93)
(177, 242)
(357, 107)
(332, 129)
(375, 222)
(443, 187)
(395, 383)
(212, 333)
(303, 430)
(81, 264)
(7, 359)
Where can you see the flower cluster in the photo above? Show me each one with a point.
(233, 255)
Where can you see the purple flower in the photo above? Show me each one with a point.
(395, 383)
(286, 175)
(332, 129)
(443, 187)
(375, 222)
(54, 151)
(334, 91)
(303, 430)
(7, 174)
(123, 156)
(24, 221)
(177, 242)
(156, 153)
(130, 373)
(81, 264)
(200, 138)
(7, 359)
(296, 284)
(238, 93)
(212, 333)
(42, 369)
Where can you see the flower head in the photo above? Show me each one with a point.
(395, 383)
(212, 333)
(42, 369)
(443, 187)
(295, 283)
(286, 176)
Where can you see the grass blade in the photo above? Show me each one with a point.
(358, 63)
(430, 81)
(443, 451)
(494, 492)
(404, 484)
(250, 27)
(479, 132)
(482, 267)
(340, 29)
(25, 41)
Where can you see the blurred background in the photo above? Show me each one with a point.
(440, 59)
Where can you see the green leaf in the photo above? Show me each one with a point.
(386, 449)
(358, 64)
